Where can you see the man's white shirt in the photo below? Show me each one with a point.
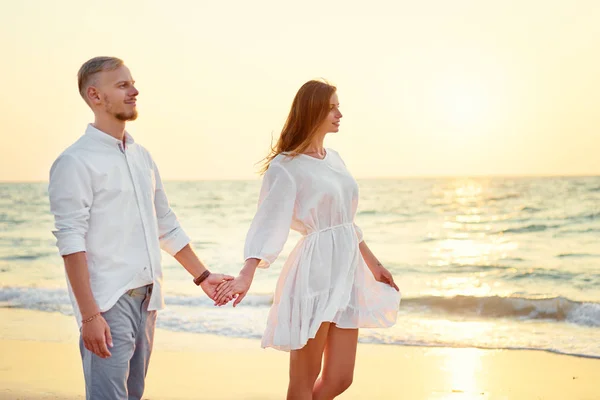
(108, 201)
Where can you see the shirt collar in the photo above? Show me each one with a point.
(104, 137)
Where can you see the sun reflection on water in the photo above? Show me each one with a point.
(468, 236)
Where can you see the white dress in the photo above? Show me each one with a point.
(325, 277)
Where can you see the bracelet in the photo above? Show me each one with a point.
(93, 317)
(201, 278)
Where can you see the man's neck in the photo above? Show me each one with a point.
(110, 126)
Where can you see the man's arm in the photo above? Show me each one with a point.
(79, 278)
(196, 268)
(71, 196)
(171, 235)
(175, 241)
(95, 331)
(190, 261)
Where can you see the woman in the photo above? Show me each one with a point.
(331, 284)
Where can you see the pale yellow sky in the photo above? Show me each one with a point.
(427, 88)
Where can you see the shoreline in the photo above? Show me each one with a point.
(202, 366)
(362, 341)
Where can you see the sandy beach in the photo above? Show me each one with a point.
(40, 360)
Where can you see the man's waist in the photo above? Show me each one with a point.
(140, 291)
(108, 278)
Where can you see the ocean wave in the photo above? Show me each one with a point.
(448, 344)
(504, 197)
(559, 309)
(514, 272)
(583, 217)
(530, 209)
(28, 257)
(196, 314)
(545, 274)
(45, 299)
(577, 255)
(251, 300)
(462, 219)
(9, 221)
(368, 212)
(470, 268)
(529, 228)
(55, 300)
(568, 232)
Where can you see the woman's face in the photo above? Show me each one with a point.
(332, 122)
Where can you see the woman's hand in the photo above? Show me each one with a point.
(237, 288)
(213, 281)
(383, 275)
(379, 272)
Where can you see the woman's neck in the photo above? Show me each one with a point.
(316, 147)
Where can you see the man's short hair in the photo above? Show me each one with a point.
(85, 76)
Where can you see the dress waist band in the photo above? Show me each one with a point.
(328, 228)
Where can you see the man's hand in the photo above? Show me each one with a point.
(96, 336)
(209, 285)
(237, 288)
(383, 275)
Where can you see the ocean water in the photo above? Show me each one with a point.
(502, 263)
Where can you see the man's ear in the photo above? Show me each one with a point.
(93, 96)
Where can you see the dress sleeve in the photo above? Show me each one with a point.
(359, 233)
(270, 227)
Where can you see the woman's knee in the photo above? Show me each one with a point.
(307, 377)
(301, 385)
(339, 384)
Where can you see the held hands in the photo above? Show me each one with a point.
(212, 282)
(236, 288)
(383, 275)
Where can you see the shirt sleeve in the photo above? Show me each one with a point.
(270, 227)
(171, 235)
(71, 196)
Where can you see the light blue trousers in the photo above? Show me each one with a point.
(122, 375)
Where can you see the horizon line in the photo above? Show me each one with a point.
(397, 177)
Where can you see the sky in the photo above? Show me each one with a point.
(427, 88)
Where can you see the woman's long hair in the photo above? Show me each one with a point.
(309, 109)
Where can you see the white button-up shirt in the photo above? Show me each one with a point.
(108, 200)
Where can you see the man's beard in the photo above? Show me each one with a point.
(131, 116)
(122, 116)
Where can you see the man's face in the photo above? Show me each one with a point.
(117, 93)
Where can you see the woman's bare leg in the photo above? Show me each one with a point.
(305, 366)
(338, 369)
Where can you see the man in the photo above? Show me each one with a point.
(112, 218)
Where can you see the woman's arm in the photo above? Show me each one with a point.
(267, 234)
(237, 288)
(380, 273)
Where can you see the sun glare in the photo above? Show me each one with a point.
(464, 368)
(465, 103)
